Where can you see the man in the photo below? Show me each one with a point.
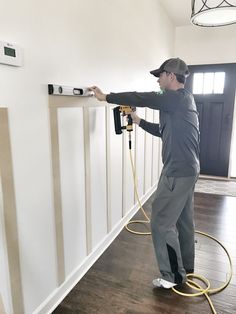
(172, 222)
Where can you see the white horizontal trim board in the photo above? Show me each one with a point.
(59, 294)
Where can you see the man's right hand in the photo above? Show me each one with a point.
(135, 118)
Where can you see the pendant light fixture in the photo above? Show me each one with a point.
(212, 13)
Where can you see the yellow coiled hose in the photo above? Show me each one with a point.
(201, 290)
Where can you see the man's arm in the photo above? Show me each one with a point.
(135, 99)
(152, 128)
(153, 100)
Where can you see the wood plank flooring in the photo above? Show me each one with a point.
(120, 282)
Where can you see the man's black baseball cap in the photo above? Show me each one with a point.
(173, 65)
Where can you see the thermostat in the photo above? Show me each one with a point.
(10, 54)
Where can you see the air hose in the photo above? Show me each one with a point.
(192, 284)
(147, 221)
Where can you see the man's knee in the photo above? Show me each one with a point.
(157, 227)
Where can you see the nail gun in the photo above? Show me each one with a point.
(123, 111)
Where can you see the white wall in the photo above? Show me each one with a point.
(199, 45)
(113, 44)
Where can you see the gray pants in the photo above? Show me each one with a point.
(172, 226)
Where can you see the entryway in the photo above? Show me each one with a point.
(214, 88)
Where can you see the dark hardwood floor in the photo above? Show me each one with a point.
(120, 282)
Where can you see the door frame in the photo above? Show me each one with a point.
(233, 135)
(233, 138)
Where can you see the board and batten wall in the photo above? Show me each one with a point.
(66, 183)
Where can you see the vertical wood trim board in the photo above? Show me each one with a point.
(2, 309)
(57, 195)
(145, 157)
(10, 215)
(123, 173)
(135, 160)
(108, 170)
(87, 180)
(152, 179)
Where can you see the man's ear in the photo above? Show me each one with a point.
(173, 76)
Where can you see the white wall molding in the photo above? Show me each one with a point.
(88, 194)
(60, 293)
(10, 215)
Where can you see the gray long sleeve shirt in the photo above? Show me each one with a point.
(178, 128)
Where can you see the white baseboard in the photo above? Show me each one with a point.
(56, 297)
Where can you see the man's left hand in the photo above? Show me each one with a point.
(98, 93)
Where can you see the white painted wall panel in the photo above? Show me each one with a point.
(140, 153)
(115, 172)
(71, 145)
(128, 187)
(87, 42)
(33, 189)
(97, 126)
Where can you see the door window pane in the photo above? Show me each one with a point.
(208, 83)
(219, 82)
(197, 83)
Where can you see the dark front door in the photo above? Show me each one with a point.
(213, 87)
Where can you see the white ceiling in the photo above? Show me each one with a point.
(179, 11)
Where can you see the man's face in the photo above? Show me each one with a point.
(164, 80)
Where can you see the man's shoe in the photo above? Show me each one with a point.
(162, 283)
